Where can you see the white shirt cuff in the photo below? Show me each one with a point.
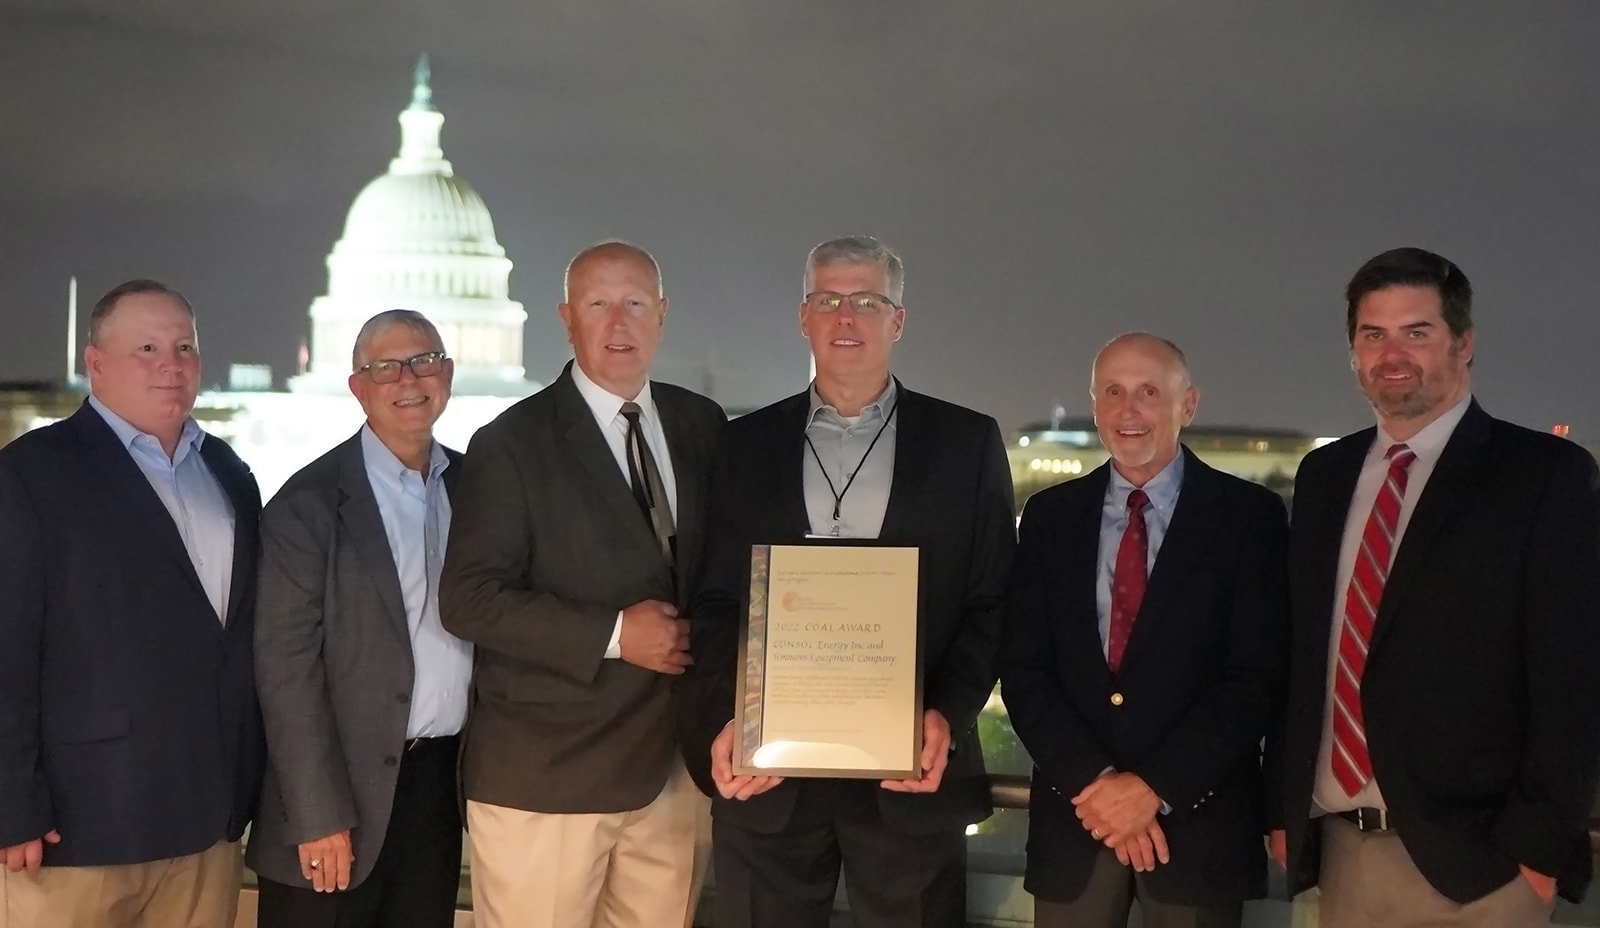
(614, 649)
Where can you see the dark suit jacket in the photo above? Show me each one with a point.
(128, 718)
(1203, 665)
(546, 545)
(951, 498)
(1481, 691)
(334, 665)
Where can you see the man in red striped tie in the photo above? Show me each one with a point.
(1439, 748)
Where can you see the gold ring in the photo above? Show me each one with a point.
(1095, 834)
(316, 864)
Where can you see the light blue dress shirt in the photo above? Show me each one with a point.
(416, 519)
(199, 507)
(1163, 492)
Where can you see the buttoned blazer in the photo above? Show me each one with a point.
(1189, 705)
(128, 715)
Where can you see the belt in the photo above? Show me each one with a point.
(1367, 819)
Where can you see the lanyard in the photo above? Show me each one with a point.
(838, 495)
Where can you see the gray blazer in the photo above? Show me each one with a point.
(333, 665)
(546, 544)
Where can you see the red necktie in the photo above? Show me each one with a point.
(1352, 766)
(1128, 580)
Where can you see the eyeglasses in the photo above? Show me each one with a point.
(862, 302)
(387, 370)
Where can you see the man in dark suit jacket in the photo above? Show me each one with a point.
(858, 456)
(1439, 749)
(1146, 627)
(578, 521)
(130, 740)
(363, 692)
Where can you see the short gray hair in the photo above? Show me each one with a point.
(386, 320)
(612, 247)
(859, 249)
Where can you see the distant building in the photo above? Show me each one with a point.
(1049, 452)
(417, 237)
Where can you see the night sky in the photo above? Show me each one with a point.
(1053, 171)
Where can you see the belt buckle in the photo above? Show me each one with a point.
(1368, 819)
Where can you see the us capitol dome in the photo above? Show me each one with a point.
(419, 237)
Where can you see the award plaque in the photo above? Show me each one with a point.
(831, 679)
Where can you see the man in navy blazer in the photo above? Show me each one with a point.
(130, 739)
(1146, 627)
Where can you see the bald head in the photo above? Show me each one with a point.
(1143, 344)
(1142, 400)
(606, 253)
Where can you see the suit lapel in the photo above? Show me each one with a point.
(914, 446)
(1344, 471)
(363, 522)
(597, 467)
(234, 481)
(789, 468)
(129, 492)
(1079, 548)
(687, 464)
(1441, 498)
(1194, 521)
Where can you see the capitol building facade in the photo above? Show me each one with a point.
(417, 237)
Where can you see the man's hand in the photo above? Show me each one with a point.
(653, 637)
(1545, 886)
(1117, 804)
(1142, 851)
(935, 755)
(730, 786)
(1278, 844)
(29, 854)
(332, 857)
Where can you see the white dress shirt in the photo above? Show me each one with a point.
(607, 409)
(1427, 445)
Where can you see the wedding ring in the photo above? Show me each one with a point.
(1094, 834)
(316, 864)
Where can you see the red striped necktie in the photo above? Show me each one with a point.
(1352, 765)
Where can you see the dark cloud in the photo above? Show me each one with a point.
(1054, 173)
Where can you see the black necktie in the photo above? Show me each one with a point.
(645, 478)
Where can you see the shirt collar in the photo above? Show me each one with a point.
(1162, 489)
(875, 409)
(606, 405)
(1429, 443)
(190, 437)
(379, 458)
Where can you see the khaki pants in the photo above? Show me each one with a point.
(636, 869)
(1369, 881)
(197, 891)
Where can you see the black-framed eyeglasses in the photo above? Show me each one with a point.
(387, 370)
(862, 302)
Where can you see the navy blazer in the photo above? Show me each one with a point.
(1191, 702)
(1480, 693)
(128, 716)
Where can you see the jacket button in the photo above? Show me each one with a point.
(402, 698)
(390, 761)
(1116, 699)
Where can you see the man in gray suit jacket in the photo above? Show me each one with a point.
(579, 525)
(363, 692)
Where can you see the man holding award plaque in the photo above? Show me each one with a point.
(845, 627)
(1146, 637)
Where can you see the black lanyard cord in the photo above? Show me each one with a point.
(838, 495)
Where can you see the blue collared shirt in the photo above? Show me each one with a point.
(199, 507)
(1163, 492)
(416, 519)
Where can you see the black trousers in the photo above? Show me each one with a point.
(414, 881)
(1109, 897)
(788, 879)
